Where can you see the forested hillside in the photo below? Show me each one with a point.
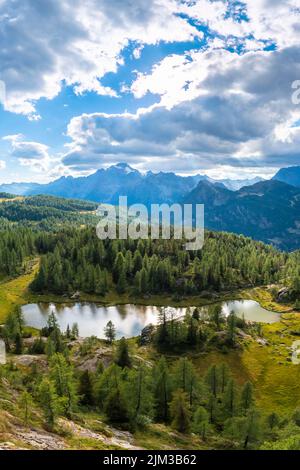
(47, 212)
(78, 260)
(182, 384)
(268, 211)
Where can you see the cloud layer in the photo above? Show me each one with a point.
(225, 105)
(237, 111)
(48, 44)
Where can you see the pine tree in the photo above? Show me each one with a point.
(52, 322)
(161, 390)
(85, 389)
(180, 414)
(162, 335)
(63, 377)
(100, 368)
(247, 399)
(192, 330)
(216, 316)
(223, 376)
(252, 430)
(49, 348)
(137, 261)
(49, 401)
(26, 403)
(139, 393)
(75, 331)
(272, 421)
(230, 399)
(115, 406)
(212, 408)
(201, 422)
(212, 380)
(196, 314)
(110, 332)
(231, 321)
(143, 281)
(119, 267)
(121, 285)
(122, 355)
(18, 344)
(185, 379)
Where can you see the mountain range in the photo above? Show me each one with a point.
(289, 175)
(105, 185)
(266, 210)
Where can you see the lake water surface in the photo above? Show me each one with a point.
(129, 319)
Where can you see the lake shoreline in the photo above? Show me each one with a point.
(130, 319)
(112, 299)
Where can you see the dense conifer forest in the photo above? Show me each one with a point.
(77, 260)
(156, 384)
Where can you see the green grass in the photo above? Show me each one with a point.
(269, 368)
(264, 297)
(15, 292)
(86, 443)
(161, 437)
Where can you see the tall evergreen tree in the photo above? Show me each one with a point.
(49, 401)
(110, 332)
(161, 390)
(180, 413)
(123, 358)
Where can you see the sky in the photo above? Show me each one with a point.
(190, 86)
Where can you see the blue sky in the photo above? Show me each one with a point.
(199, 86)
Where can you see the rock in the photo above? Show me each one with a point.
(28, 359)
(29, 341)
(146, 334)
(76, 295)
(262, 341)
(283, 294)
(112, 437)
(89, 363)
(40, 440)
(242, 334)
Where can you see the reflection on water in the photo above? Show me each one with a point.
(129, 319)
(91, 318)
(250, 310)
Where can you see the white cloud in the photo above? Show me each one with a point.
(217, 109)
(77, 43)
(30, 154)
(236, 113)
(276, 20)
(50, 43)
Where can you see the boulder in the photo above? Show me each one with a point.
(146, 334)
(27, 360)
(76, 295)
(283, 294)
